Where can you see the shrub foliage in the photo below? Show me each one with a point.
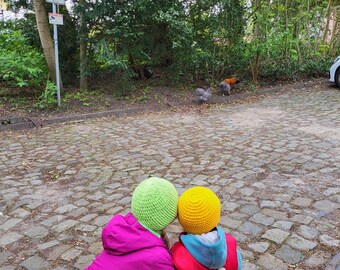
(21, 65)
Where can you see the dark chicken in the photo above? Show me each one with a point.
(203, 95)
(147, 72)
(227, 84)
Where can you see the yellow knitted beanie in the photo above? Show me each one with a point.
(199, 210)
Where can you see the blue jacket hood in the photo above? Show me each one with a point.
(212, 256)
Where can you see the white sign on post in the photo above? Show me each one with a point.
(58, 2)
(55, 18)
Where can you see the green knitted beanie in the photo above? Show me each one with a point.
(154, 203)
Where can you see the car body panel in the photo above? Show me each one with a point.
(333, 69)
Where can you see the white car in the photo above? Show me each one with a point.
(334, 72)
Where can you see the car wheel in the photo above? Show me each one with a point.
(337, 77)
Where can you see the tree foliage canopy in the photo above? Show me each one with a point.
(199, 39)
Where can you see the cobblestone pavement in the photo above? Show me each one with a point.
(274, 163)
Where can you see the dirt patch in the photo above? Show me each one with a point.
(78, 105)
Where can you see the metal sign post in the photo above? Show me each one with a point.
(56, 19)
(56, 51)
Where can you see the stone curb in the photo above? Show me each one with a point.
(22, 123)
(16, 123)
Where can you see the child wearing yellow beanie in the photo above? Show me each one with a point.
(203, 245)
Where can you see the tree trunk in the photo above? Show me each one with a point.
(308, 32)
(286, 28)
(297, 34)
(255, 68)
(83, 47)
(325, 33)
(255, 65)
(45, 37)
(335, 38)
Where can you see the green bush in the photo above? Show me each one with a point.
(123, 85)
(285, 70)
(316, 68)
(20, 64)
(48, 98)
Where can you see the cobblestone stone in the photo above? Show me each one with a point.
(326, 206)
(250, 228)
(249, 266)
(289, 255)
(86, 228)
(250, 209)
(96, 247)
(303, 202)
(275, 235)
(300, 243)
(4, 256)
(9, 238)
(259, 246)
(84, 261)
(302, 219)
(102, 220)
(283, 225)
(65, 225)
(262, 219)
(36, 232)
(275, 214)
(52, 220)
(35, 263)
(9, 223)
(316, 260)
(270, 204)
(230, 206)
(229, 222)
(324, 227)
(57, 251)
(268, 262)
(275, 171)
(334, 264)
(308, 232)
(329, 241)
(21, 213)
(47, 244)
(247, 255)
(71, 254)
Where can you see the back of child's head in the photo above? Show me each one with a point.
(199, 210)
(154, 203)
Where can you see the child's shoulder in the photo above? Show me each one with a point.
(181, 257)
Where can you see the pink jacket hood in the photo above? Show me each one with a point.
(128, 245)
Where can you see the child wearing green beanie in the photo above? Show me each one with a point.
(134, 241)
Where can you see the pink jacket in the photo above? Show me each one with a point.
(128, 245)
